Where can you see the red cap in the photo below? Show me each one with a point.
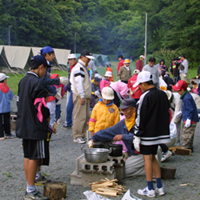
(180, 85)
(53, 76)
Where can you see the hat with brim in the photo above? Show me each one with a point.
(180, 85)
(87, 54)
(108, 74)
(141, 56)
(143, 77)
(38, 60)
(126, 103)
(3, 76)
(107, 93)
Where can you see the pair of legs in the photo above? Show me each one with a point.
(4, 124)
(151, 167)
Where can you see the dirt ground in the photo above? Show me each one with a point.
(63, 153)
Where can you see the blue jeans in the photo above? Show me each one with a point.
(69, 110)
(51, 119)
(57, 112)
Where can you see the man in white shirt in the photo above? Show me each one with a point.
(183, 68)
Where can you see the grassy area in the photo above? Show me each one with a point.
(14, 80)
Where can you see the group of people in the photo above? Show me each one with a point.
(126, 112)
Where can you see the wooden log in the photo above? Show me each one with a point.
(55, 190)
(180, 151)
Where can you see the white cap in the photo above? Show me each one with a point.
(107, 93)
(141, 56)
(72, 56)
(136, 71)
(108, 74)
(3, 76)
(143, 77)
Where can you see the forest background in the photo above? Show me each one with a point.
(105, 26)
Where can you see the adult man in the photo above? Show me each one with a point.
(152, 129)
(69, 103)
(139, 63)
(150, 67)
(123, 130)
(120, 63)
(92, 66)
(183, 68)
(81, 87)
(124, 73)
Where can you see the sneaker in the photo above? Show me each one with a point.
(41, 180)
(79, 140)
(2, 138)
(9, 136)
(166, 155)
(35, 195)
(65, 127)
(160, 191)
(146, 192)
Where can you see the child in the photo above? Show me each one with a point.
(32, 130)
(6, 96)
(124, 73)
(61, 91)
(109, 69)
(189, 114)
(105, 82)
(104, 114)
(150, 131)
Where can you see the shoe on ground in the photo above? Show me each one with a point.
(2, 138)
(79, 140)
(65, 127)
(35, 195)
(9, 136)
(160, 191)
(166, 155)
(147, 192)
(41, 180)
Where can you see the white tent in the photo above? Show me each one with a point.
(62, 56)
(17, 56)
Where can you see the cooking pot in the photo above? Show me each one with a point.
(95, 155)
(98, 145)
(116, 149)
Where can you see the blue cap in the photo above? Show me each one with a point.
(46, 49)
(120, 56)
(38, 60)
(108, 64)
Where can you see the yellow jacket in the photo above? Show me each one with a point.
(103, 116)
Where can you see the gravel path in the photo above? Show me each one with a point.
(63, 154)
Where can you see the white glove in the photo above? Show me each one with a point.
(90, 144)
(136, 142)
(185, 75)
(188, 123)
(197, 77)
(179, 114)
(58, 96)
(63, 80)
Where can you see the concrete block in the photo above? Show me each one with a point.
(97, 167)
(78, 165)
(118, 160)
(95, 177)
(76, 179)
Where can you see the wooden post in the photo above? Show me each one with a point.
(55, 190)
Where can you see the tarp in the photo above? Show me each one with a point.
(105, 58)
(98, 60)
(17, 56)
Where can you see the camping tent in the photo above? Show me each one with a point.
(18, 56)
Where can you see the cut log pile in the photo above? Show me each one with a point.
(107, 187)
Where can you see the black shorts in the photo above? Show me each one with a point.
(37, 150)
(147, 150)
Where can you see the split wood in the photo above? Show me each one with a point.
(107, 187)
